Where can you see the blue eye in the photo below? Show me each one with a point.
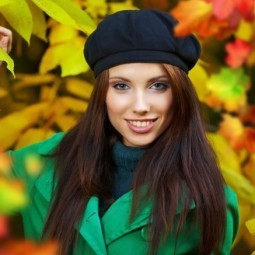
(121, 86)
(159, 86)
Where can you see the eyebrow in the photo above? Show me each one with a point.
(150, 80)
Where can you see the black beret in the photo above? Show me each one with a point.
(139, 36)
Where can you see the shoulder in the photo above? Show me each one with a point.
(21, 159)
(230, 196)
(45, 147)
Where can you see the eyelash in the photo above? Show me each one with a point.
(164, 86)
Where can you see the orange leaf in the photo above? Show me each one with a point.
(247, 115)
(191, 15)
(249, 139)
(237, 130)
(4, 228)
(238, 51)
(222, 8)
(245, 6)
(29, 248)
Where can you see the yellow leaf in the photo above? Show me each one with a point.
(65, 122)
(68, 55)
(199, 77)
(244, 31)
(31, 80)
(3, 93)
(78, 87)
(249, 168)
(96, 8)
(73, 104)
(68, 13)
(250, 224)
(62, 33)
(12, 196)
(5, 2)
(5, 163)
(19, 17)
(6, 58)
(241, 185)
(13, 124)
(39, 22)
(126, 5)
(33, 135)
(49, 93)
(227, 157)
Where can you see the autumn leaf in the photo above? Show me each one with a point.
(4, 226)
(244, 31)
(29, 248)
(199, 77)
(6, 58)
(247, 114)
(250, 224)
(96, 8)
(237, 130)
(191, 14)
(65, 122)
(19, 17)
(120, 6)
(68, 55)
(222, 9)
(39, 21)
(12, 125)
(227, 157)
(68, 13)
(5, 163)
(78, 87)
(245, 7)
(33, 135)
(12, 196)
(249, 167)
(240, 137)
(229, 88)
(238, 51)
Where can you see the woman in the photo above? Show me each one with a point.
(136, 175)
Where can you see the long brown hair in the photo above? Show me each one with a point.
(180, 155)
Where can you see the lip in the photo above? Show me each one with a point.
(141, 130)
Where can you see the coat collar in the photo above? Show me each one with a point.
(97, 232)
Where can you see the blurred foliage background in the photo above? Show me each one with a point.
(48, 89)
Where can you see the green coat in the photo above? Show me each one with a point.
(111, 234)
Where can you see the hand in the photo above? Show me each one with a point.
(5, 39)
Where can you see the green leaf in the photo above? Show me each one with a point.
(19, 17)
(229, 83)
(68, 13)
(5, 2)
(39, 22)
(6, 58)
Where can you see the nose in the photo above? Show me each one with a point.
(141, 104)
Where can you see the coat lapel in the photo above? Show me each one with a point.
(91, 228)
(116, 223)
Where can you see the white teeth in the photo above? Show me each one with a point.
(139, 123)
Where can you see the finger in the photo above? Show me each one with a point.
(5, 39)
(5, 32)
(4, 43)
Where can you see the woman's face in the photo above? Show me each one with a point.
(138, 102)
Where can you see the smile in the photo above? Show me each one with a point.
(141, 126)
(138, 123)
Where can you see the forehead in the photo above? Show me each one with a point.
(138, 70)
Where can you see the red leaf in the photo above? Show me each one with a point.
(238, 51)
(222, 9)
(4, 227)
(245, 6)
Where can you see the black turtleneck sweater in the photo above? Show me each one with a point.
(125, 159)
